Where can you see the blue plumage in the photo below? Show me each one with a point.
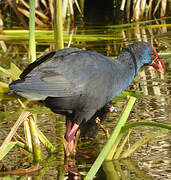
(78, 83)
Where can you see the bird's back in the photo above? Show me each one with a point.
(72, 79)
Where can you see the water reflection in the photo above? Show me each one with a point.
(121, 170)
(152, 161)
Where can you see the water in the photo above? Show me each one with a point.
(152, 160)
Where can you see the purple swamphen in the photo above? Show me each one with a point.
(78, 83)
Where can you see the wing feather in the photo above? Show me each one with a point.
(66, 75)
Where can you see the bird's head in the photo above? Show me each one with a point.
(146, 54)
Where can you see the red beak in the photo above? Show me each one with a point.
(157, 63)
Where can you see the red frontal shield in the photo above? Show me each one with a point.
(157, 63)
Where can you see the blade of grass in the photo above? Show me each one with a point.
(139, 22)
(115, 154)
(119, 169)
(114, 147)
(48, 36)
(45, 141)
(120, 149)
(110, 171)
(98, 162)
(7, 73)
(7, 177)
(24, 146)
(123, 120)
(37, 154)
(126, 93)
(27, 134)
(144, 123)
(15, 70)
(22, 117)
(9, 146)
(139, 143)
(21, 104)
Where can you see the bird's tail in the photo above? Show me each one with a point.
(15, 86)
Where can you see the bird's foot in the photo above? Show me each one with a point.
(111, 108)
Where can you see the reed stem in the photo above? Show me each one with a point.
(37, 154)
(32, 44)
(111, 141)
(58, 25)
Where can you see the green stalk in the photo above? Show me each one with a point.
(58, 26)
(32, 44)
(114, 147)
(143, 123)
(24, 146)
(7, 140)
(6, 150)
(116, 154)
(119, 169)
(98, 162)
(110, 171)
(37, 154)
(45, 141)
(120, 148)
(119, 126)
(7, 73)
(27, 134)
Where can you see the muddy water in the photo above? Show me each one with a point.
(152, 160)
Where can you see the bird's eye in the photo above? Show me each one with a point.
(151, 53)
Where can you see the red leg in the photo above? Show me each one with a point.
(69, 134)
(68, 128)
(73, 131)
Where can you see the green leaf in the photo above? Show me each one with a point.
(45, 141)
(126, 93)
(7, 73)
(14, 70)
(24, 146)
(7, 149)
(144, 123)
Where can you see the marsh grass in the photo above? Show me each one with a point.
(115, 145)
(32, 43)
(114, 148)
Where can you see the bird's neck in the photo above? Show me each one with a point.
(133, 58)
(130, 59)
